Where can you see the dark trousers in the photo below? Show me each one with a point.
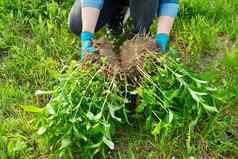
(141, 11)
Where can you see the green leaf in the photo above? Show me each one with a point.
(32, 109)
(40, 92)
(76, 120)
(157, 129)
(140, 108)
(50, 109)
(109, 143)
(211, 89)
(113, 110)
(41, 131)
(149, 122)
(90, 116)
(88, 126)
(79, 134)
(178, 75)
(174, 94)
(227, 121)
(65, 143)
(171, 116)
(98, 116)
(210, 108)
(96, 129)
(198, 81)
(94, 146)
(20, 146)
(149, 97)
(107, 129)
(196, 95)
(139, 91)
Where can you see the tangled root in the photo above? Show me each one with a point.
(124, 63)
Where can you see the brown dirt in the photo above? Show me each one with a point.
(124, 63)
(133, 53)
(106, 50)
(105, 57)
(112, 58)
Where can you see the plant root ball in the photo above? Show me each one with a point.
(106, 52)
(125, 63)
(132, 56)
(105, 58)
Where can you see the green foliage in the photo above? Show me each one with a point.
(174, 99)
(35, 45)
(16, 140)
(86, 107)
(197, 37)
(82, 113)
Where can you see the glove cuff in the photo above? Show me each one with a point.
(162, 41)
(162, 38)
(86, 36)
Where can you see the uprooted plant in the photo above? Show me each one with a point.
(172, 98)
(87, 107)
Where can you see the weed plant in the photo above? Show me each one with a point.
(35, 46)
(86, 107)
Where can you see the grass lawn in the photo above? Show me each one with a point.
(35, 46)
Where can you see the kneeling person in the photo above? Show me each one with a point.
(88, 16)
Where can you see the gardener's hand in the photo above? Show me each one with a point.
(86, 45)
(162, 41)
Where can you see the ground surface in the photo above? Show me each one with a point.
(35, 45)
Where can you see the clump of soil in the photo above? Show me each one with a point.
(132, 55)
(123, 63)
(104, 58)
(126, 61)
(107, 52)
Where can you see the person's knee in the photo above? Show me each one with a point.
(169, 8)
(93, 3)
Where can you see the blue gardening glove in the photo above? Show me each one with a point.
(86, 44)
(162, 41)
